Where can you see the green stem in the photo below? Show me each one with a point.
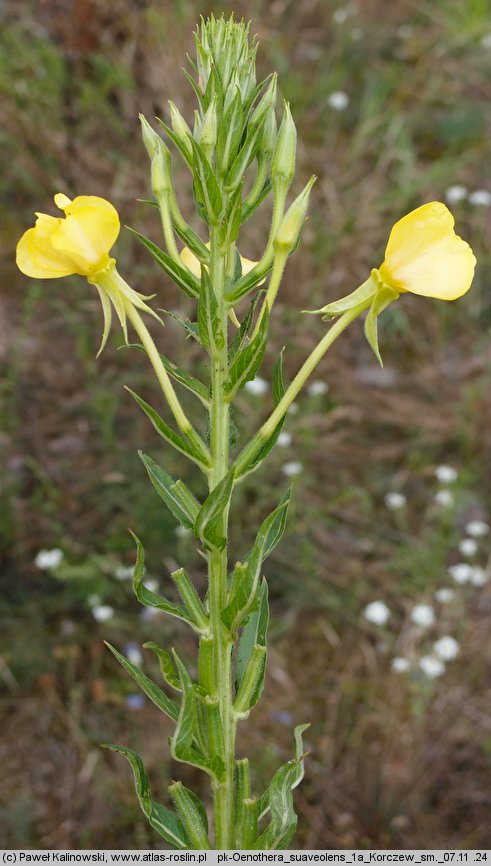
(223, 792)
(297, 384)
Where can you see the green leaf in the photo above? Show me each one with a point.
(381, 301)
(166, 664)
(278, 392)
(210, 521)
(230, 134)
(182, 748)
(181, 145)
(248, 210)
(191, 328)
(240, 338)
(230, 225)
(212, 197)
(165, 822)
(150, 599)
(246, 283)
(193, 815)
(190, 382)
(177, 497)
(159, 698)
(254, 632)
(248, 361)
(178, 273)
(245, 580)
(193, 451)
(209, 322)
(278, 799)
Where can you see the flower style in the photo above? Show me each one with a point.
(425, 256)
(78, 244)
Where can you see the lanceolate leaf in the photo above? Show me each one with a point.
(150, 599)
(166, 664)
(180, 275)
(193, 451)
(165, 822)
(182, 748)
(170, 491)
(191, 328)
(210, 520)
(193, 815)
(240, 338)
(248, 360)
(278, 392)
(254, 632)
(279, 800)
(209, 324)
(244, 585)
(152, 691)
(209, 186)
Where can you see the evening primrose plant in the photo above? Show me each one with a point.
(238, 159)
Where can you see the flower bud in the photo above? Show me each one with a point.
(180, 128)
(283, 167)
(268, 140)
(267, 102)
(208, 130)
(291, 224)
(160, 159)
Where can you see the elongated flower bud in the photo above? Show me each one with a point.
(292, 222)
(160, 158)
(180, 128)
(283, 167)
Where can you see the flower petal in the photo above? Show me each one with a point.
(425, 256)
(37, 258)
(88, 232)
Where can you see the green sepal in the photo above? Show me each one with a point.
(190, 382)
(166, 823)
(209, 322)
(278, 799)
(361, 295)
(166, 665)
(209, 524)
(381, 301)
(194, 451)
(183, 278)
(150, 599)
(245, 579)
(278, 392)
(152, 691)
(181, 745)
(179, 500)
(254, 632)
(247, 362)
(193, 815)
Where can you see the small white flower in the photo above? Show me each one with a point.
(293, 408)
(446, 474)
(423, 615)
(444, 595)
(133, 654)
(468, 547)
(338, 100)
(377, 612)
(479, 576)
(456, 193)
(400, 665)
(182, 531)
(395, 500)
(292, 468)
(46, 559)
(152, 584)
(461, 572)
(477, 528)
(444, 498)
(257, 386)
(431, 666)
(103, 612)
(480, 197)
(446, 648)
(124, 572)
(317, 389)
(284, 439)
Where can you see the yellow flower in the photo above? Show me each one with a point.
(189, 259)
(77, 244)
(425, 256)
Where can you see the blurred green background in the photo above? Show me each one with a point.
(392, 106)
